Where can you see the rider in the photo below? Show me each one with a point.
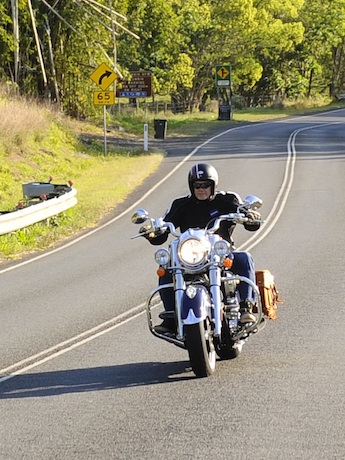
(196, 210)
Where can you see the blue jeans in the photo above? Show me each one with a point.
(243, 265)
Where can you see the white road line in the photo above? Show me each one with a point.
(70, 344)
(283, 193)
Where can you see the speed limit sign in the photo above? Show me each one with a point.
(104, 98)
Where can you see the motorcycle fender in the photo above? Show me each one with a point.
(195, 308)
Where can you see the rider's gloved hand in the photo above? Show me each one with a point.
(252, 216)
(148, 232)
(145, 229)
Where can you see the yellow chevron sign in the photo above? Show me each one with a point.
(104, 76)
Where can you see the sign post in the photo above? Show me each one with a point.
(146, 137)
(104, 76)
(223, 83)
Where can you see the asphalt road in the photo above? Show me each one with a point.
(82, 378)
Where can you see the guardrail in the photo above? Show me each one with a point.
(42, 210)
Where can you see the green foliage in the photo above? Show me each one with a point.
(6, 42)
(323, 45)
(275, 47)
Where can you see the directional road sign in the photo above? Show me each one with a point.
(140, 85)
(104, 76)
(223, 75)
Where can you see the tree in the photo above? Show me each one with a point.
(275, 47)
(71, 39)
(156, 23)
(279, 30)
(6, 40)
(323, 44)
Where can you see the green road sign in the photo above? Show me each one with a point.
(223, 75)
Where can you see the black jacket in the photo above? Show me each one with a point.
(188, 212)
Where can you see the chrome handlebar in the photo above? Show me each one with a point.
(160, 224)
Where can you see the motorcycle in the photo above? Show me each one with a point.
(207, 309)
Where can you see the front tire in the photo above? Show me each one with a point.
(199, 343)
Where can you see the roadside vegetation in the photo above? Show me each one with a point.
(36, 143)
(277, 49)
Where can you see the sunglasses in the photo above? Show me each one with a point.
(202, 185)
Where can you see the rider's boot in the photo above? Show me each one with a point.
(168, 325)
(246, 312)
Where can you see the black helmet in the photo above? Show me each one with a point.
(203, 171)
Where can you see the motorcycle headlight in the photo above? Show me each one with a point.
(192, 251)
(162, 256)
(222, 248)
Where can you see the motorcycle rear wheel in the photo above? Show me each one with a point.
(226, 348)
(199, 343)
(227, 352)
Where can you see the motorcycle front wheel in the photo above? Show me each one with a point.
(199, 343)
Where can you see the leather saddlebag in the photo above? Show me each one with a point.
(268, 293)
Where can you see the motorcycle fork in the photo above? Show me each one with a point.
(215, 286)
(180, 287)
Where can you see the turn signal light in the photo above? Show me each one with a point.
(227, 263)
(160, 271)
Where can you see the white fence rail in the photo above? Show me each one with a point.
(11, 221)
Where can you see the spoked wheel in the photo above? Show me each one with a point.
(200, 348)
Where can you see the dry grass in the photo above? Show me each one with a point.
(19, 120)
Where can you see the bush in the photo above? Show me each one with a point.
(238, 102)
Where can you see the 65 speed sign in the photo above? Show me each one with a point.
(103, 97)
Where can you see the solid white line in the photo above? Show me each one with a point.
(284, 190)
(67, 345)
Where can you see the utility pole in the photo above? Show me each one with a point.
(52, 65)
(40, 58)
(14, 4)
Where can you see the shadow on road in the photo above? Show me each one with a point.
(93, 379)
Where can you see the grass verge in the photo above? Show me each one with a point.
(53, 149)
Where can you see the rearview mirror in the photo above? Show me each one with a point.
(252, 202)
(140, 216)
